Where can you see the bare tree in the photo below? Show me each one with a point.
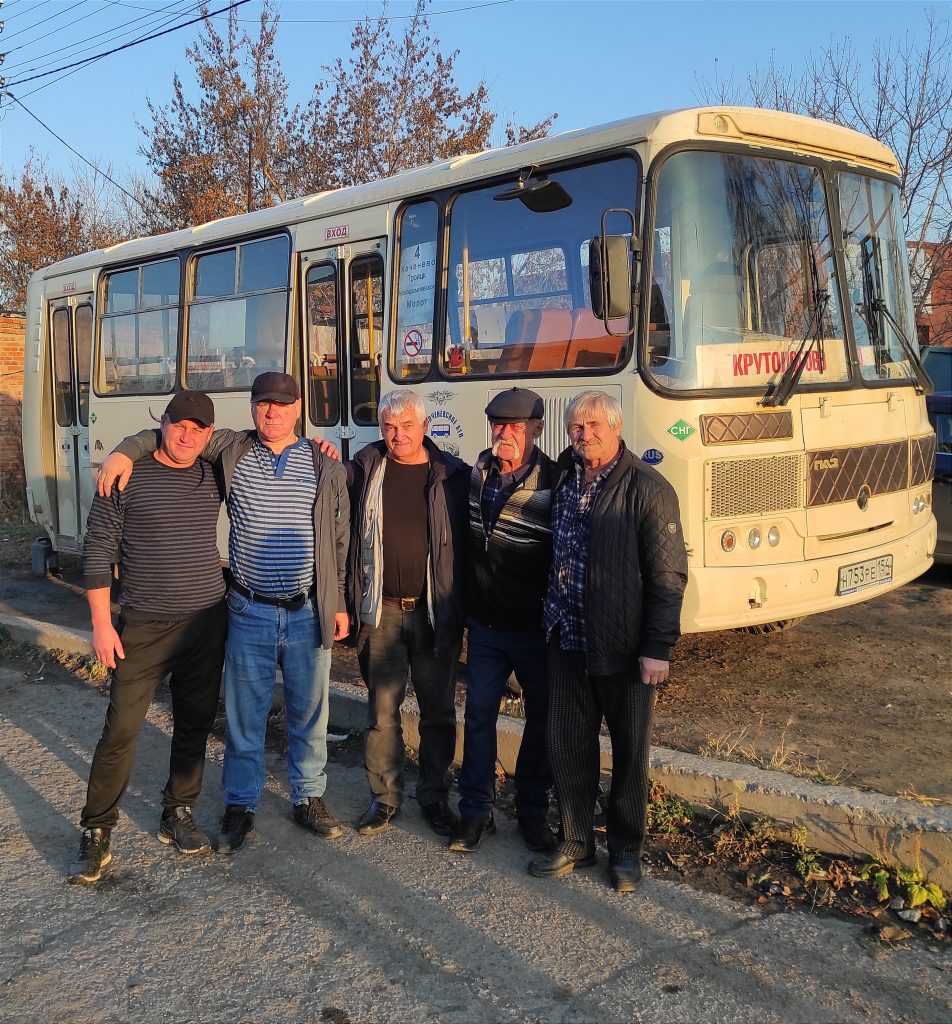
(395, 104)
(42, 220)
(235, 148)
(901, 94)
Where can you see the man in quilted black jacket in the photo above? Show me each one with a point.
(612, 615)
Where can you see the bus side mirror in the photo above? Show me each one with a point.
(609, 276)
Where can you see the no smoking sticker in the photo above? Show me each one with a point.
(413, 343)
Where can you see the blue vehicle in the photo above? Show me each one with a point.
(940, 416)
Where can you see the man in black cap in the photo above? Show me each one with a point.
(287, 551)
(510, 554)
(172, 622)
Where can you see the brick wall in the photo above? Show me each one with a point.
(12, 330)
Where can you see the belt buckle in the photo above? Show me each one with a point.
(407, 604)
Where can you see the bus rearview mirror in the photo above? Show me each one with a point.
(608, 276)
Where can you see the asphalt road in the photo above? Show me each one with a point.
(391, 928)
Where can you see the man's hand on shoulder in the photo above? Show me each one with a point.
(327, 448)
(116, 467)
(106, 645)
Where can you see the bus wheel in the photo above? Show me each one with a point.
(766, 628)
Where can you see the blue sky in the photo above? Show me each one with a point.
(590, 61)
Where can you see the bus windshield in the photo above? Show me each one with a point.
(742, 274)
(877, 277)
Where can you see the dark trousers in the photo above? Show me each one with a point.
(577, 703)
(491, 655)
(401, 647)
(193, 651)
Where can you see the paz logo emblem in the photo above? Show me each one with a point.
(681, 430)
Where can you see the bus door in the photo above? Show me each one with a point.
(343, 330)
(71, 332)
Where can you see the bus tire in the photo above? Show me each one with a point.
(766, 628)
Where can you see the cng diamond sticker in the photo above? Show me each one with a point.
(681, 430)
(92, 418)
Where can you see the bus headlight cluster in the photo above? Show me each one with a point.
(755, 537)
(922, 502)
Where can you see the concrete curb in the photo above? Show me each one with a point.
(840, 820)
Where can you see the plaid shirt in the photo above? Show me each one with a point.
(571, 526)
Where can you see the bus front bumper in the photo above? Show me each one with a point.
(727, 597)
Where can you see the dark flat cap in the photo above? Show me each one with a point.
(191, 405)
(275, 387)
(516, 405)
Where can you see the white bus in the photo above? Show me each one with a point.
(737, 278)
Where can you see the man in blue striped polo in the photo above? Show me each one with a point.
(287, 548)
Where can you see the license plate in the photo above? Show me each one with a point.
(861, 575)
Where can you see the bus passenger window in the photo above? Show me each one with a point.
(138, 332)
(237, 316)
(412, 350)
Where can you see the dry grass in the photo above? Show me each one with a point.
(740, 746)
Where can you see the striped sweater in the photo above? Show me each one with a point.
(162, 529)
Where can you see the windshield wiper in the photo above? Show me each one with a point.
(923, 384)
(779, 393)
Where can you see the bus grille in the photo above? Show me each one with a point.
(922, 450)
(554, 438)
(838, 474)
(749, 487)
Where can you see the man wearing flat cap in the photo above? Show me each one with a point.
(287, 550)
(172, 622)
(510, 547)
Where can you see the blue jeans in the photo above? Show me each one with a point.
(492, 654)
(260, 638)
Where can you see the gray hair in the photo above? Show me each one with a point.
(395, 402)
(588, 402)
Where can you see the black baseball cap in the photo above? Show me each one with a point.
(191, 405)
(275, 387)
(515, 405)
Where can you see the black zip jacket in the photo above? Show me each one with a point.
(446, 497)
(637, 567)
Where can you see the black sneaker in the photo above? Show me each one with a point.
(315, 817)
(93, 855)
(237, 824)
(178, 829)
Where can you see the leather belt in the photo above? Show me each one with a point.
(292, 604)
(405, 604)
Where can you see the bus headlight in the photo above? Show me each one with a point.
(728, 540)
(918, 505)
(754, 538)
(773, 536)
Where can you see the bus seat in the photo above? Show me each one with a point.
(714, 311)
(591, 345)
(520, 331)
(551, 341)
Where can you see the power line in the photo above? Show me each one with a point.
(42, 21)
(115, 32)
(77, 152)
(353, 21)
(126, 46)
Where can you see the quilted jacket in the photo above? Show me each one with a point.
(637, 566)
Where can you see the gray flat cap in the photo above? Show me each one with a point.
(516, 405)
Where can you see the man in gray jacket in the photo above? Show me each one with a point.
(612, 614)
(290, 523)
